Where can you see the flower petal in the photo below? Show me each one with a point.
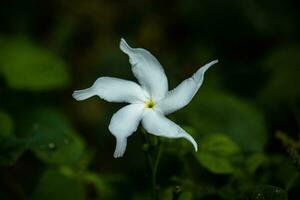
(113, 90)
(157, 124)
(147, 70)
(123, 123)
(184, 92)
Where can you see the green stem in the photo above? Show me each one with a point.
(153, 151)
(155, 167)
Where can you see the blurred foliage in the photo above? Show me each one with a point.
(53, 139)
(283, 64)
(40, 69)
(11, 148)
(217, 153)
(6, 124)
(244, 117)
(267, 192)
(51, 184)
(292, 147)
(209, 114)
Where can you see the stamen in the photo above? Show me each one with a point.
(150, 103)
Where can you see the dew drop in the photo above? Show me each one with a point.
(51, 145)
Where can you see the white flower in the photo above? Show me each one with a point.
(149, 102)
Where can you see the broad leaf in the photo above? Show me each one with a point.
(54, 185)
(283, 85)
(26, 66)
(53, 139)
(217, 112)
(11, 149)
(217, 153)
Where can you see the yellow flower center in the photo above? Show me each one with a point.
(149, 103)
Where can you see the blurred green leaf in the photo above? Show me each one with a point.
(281, 169)
(100, 183)
(53, 139)
(11, 149)
(254, 161)
(102, 187)
(283, 85)
(26, 66)
(217, 153)
(217, 112)
(175, 192)
(186, 196)
(6, 124)
(267, 192)
(166, 194)
(54, 185)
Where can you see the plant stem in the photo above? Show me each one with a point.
(154, 169)
(153, 149)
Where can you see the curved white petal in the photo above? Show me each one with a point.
(157, 124)
(123, 123)
(147, 70)
(113, 90)
(184, 92)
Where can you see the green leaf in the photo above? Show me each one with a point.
(217, 153)
(11, 149)
(280, 169)
(173, 193)
(52, 138)
(283, 85)
(254, 161)
(186, 196)
(26, 66)
(267, 192)
(54, 185)
(101, 183)
(217, 112)
(6, 124)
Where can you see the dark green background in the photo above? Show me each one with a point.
(52, 147)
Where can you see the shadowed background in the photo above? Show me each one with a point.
(245, 117)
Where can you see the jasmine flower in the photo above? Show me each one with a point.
(149, 102)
